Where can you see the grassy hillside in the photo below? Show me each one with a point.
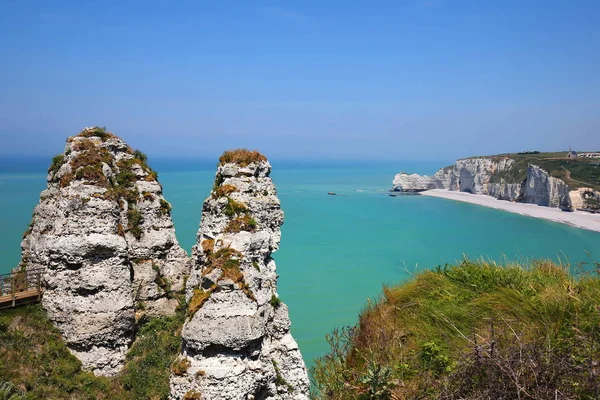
(36, 364)
(471, 331)
(578, 172)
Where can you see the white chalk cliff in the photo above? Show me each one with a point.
(236, 341)
(494, 176)
(103, 235)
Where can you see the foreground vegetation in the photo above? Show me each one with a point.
(36, 364)
(472, 331)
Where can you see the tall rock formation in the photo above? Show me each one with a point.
(496, 176)
(103, 235)
(237, 342)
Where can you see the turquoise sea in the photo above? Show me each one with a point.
(336, 251)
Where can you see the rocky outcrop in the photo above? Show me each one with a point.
(103, 235)
(404, 182)
(585, 199)
(496, 176)
(237, 342)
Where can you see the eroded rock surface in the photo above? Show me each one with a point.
(495, 176)
(103, 235)
(237, 342)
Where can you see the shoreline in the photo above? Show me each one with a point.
(577, 219)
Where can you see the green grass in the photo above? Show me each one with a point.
(36, 364)
(57, 162)
(582, 172)
(474, 330)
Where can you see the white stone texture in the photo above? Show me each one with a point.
(91, 282)
(237, 345)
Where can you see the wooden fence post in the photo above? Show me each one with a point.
(13, 290)
(39, 288)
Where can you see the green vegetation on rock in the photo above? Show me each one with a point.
(36, 364)
(471, 331)
(576, 172)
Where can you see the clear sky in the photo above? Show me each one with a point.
(326, 79)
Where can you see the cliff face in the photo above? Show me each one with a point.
(237, 342)
(103, 234)
(493, 176)
(541, 189)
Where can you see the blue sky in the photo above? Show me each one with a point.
(386, 80)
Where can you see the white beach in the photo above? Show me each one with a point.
(579, 219)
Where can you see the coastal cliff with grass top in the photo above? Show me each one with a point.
(560, 180)
(475, 330)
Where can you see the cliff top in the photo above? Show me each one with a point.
(241, 157)
(575, 172)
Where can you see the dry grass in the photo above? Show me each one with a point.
(241, 223)
(83, 145)
(242, 157)
(198, 299)
(224, 190)
(208, 245)
(180, 367)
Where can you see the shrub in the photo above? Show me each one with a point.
(57, 162)
(125, 177)
(141, 156)
(241, 157)
(275, 301)
(134, 223)
(233, 208)
(165, 207)
(92, 174)
(162, 282)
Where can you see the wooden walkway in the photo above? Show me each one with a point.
(19, 288)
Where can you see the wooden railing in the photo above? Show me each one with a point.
(20, 287)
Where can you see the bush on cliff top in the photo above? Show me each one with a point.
(471, 331)
(241, 157)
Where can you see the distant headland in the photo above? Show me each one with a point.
(518, 182)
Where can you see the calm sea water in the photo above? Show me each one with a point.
(336, 251)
